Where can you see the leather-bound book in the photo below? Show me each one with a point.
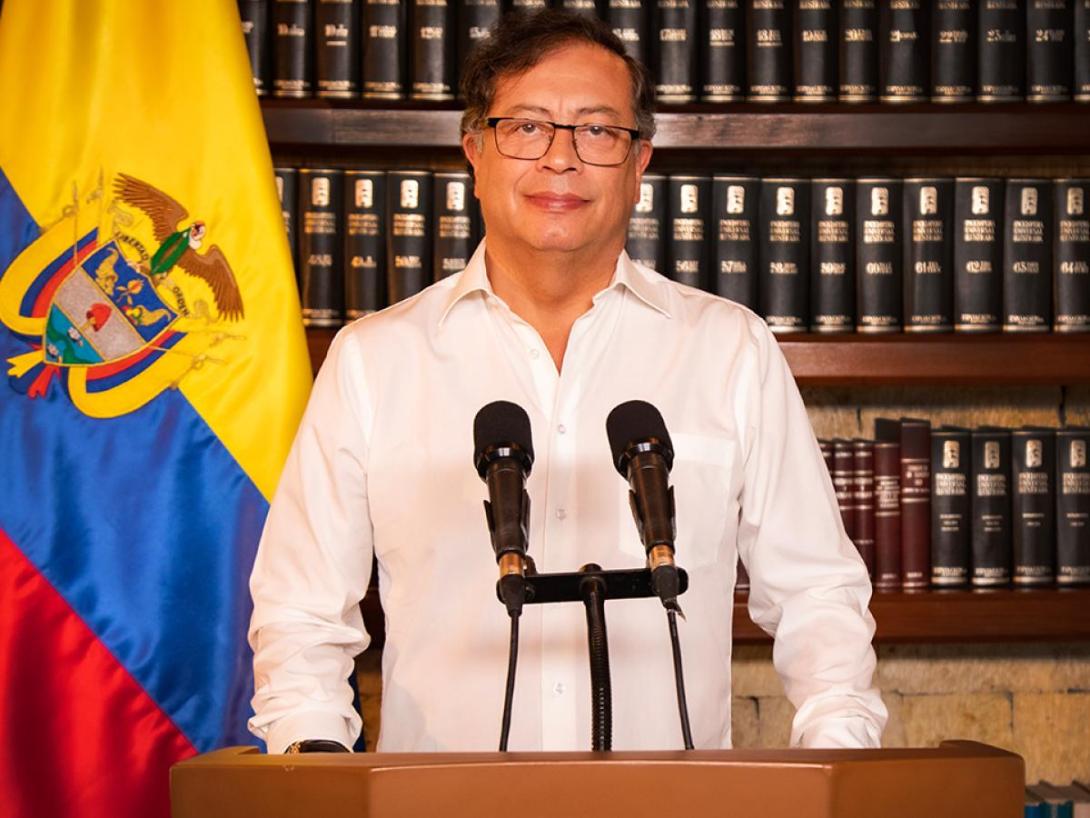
(887, 504)
(723, 68)
(293, 36)
(832, 256)
(953, 50)
(991, 504)
(1073, 505)
(844, 483)
(783, 289)
(1033, 505)
(409, 236)
(978, 254)
(929, 255)
(364, 242)
(1071, 255)
(879, 260)
(950, 506)
(858, 23)
(915, 503)
(255, 29)
(320, 245)
(735, 201)
(1001, 50)
(863, 506)
(677, 51)
(816, 76)
(452, 214)
(690, 201)
(385, 49)
(1049, 50)
(646, 241)
(1027, 256)
(903, 62)
(768, 50)
(337, 48)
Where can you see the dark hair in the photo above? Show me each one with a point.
(520, 41)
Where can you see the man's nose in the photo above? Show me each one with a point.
(561, 155)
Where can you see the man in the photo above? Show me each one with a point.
(551, 314)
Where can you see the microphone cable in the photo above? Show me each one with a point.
(679, 680)
(509, 694)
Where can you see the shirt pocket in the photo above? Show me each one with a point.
(703, 499)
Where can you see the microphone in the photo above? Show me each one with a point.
(503, 455)
(644, 455)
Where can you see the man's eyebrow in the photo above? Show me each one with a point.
(589, 109)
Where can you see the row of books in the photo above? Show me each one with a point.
(1045, 800)
(714, 50)
(952, 506)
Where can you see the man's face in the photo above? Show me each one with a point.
(557, 202)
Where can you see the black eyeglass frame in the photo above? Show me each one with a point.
(634, 133)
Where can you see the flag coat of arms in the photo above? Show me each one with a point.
(153, 368)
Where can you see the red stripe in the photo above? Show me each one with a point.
(78, 735)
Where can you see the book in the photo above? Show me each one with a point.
(953, 51)
(783, 287)
(978, 254)
(928, 255)
(863, 505)
(587, 7)
(454, 228)
(337, 36)
(1033, 505)
(688, 246)
(320, 268)
(735, 201)
(432, 33)
(826, 447)
(628, 20)
(293, 35)
(384, 48)
(1073, 506)
(991, 506)
(723, 66)
(255, 30)
(1071, 255)
(409, 237)
(1081, 50)
(950, 506)
(287, 191)
(915, 503)
(1049, 50)
(364, 242)
(646, 242)
(1027, 256)
(815, 58)
(1001, 50)
(887, 504)
(832, 256)
(844, 483)
(903, 51)
(474, 19)
(768, 51)
(858, 53)
(677, 51)
(879, 260)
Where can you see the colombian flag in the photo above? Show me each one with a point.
(153, 368)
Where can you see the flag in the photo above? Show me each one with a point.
(154, 368)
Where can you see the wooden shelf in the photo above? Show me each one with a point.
(871, 360)
(871, 129)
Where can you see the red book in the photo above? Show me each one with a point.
(887, 504)
(844, 483)
(863, 507)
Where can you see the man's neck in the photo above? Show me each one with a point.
(549, 290)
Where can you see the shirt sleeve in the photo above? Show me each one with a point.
(809, 588)
(313, 566)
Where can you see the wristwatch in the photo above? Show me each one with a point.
(315, 745)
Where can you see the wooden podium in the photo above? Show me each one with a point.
(957, 779)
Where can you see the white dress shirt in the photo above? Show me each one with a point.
(382, 464)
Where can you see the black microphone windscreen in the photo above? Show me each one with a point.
(631, 421)
(501, 423)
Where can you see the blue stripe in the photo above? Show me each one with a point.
(17, 228)
(148, 528)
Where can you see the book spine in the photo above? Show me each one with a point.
(1027, 256)
(863, 525)
(832, 256)
(1033, 505)
(929, 257)
(878, 255)
(1001, 50)
(1071, 255)
(844, 483)
(384, 47)
(454, 228)
(816, 51)
(628, 20)
(475, 19)
(724, 51)
(903, 59)
(735, 205)
(409, 247)
(950, 507)
(953, 51)
(255, 29)
(827, 454)
(1072, 506)
(783, 288)
(677, 51)
(858, 50)
(688, 262)
(527, 5)
(287, 191)
(646, 242)
(364, 242)
(587, 8)
(293, 32)
(915, 503)
(978, 254)
(1049, 50)
(432, 49)
(887, 515)
(337, 29)
(320, 265)
(991, 507)
(1082, 50)
(768, 51)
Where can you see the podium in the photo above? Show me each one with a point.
(956, 779)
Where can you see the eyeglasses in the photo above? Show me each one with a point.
(603, 145)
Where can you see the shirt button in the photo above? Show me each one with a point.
(561, 428)
(561, 514)
(558, 688)
(534, 353)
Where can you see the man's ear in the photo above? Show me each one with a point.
(471, 144)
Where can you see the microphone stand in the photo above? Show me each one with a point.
(592, 586)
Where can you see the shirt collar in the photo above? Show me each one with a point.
(648, 288)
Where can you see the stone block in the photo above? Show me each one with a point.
(983, 668)
(369, 681)
(752, 673)
(744, 724)
(776, 714)
(985, 717)
(1052, 733)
